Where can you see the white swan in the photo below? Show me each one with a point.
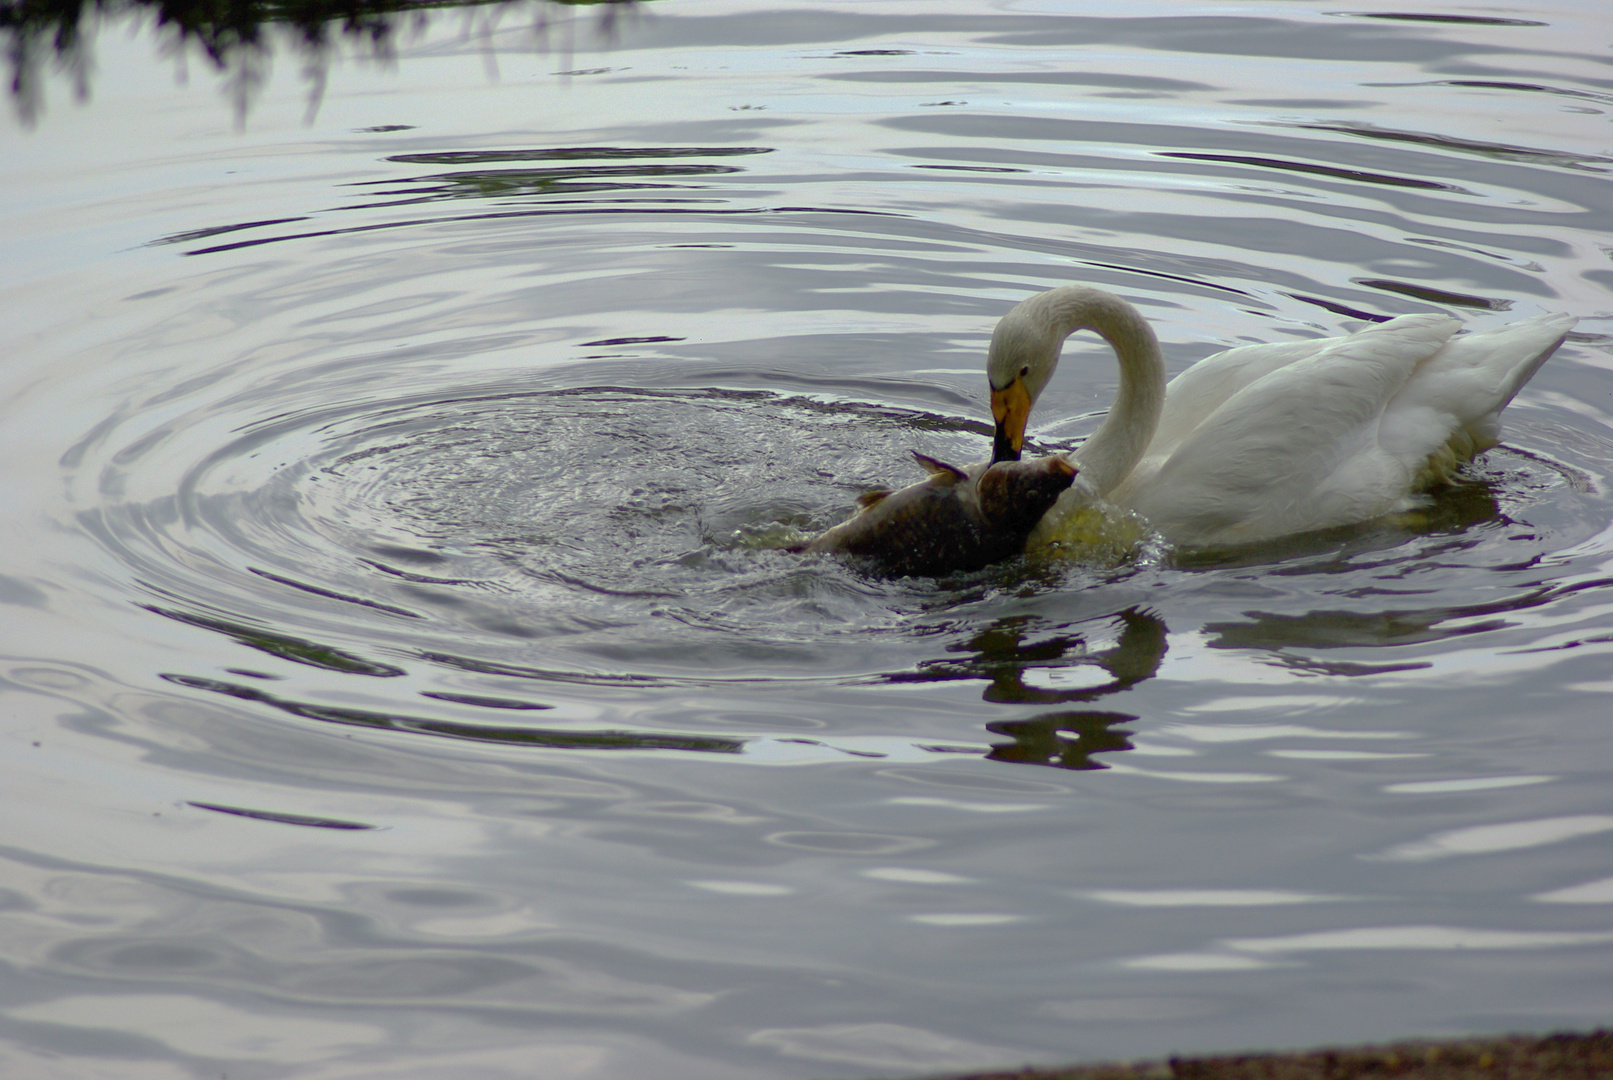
(1265, 440)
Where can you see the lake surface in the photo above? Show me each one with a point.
(402, 677)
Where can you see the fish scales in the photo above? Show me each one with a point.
(956, 520)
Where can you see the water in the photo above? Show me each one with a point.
(403, 679)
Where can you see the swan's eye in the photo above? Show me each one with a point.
(1024, 371)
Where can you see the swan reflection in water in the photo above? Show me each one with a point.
(1011, 656)
(1065, 740)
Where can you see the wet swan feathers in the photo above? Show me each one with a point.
(1265, 440)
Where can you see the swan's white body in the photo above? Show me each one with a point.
(1265, 440)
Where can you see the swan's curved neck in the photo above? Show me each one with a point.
(1118, 444)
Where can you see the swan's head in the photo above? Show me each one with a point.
(1024, 351)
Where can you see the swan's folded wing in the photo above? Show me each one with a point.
(1295, 449)
(1193, 395)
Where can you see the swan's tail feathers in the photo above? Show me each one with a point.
(1481, 374)
(1461, 391)
(1547, 332)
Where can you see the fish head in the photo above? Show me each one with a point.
(1015, 494)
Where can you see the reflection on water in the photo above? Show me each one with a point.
(1011, 664)
(286, 648)
(520, 736)
(284, 819)
(1500, 151)
(1065, 739)
(1381, 628)
(238, 38)
(402, 665)
(554, 180)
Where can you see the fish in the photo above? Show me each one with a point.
(956, 520)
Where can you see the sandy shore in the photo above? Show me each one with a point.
(1551, 1057)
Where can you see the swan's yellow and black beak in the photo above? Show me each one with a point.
(1011, 408)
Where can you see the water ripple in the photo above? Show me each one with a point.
(401, 626)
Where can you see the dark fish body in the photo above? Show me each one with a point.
(958, 519)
